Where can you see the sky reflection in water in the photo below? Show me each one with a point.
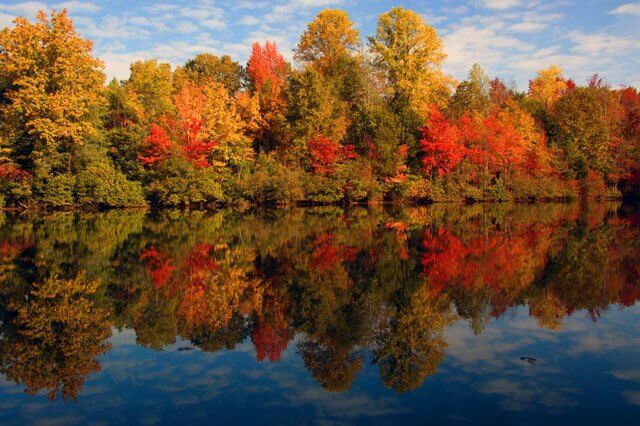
(487, 313)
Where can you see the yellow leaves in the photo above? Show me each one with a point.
(151, 82)
(410, 52)
(249, 110)
(330, 37)
(53, 81)
(548, 86)
(61, 332)
(224, 125)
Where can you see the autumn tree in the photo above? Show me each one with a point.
(442, 147)
(51, 93)
(548, 86)
(472, 95)
(315, 107)
(586, 128)
(409, 53)
(329, 40)
(267, 71)
(206, 67)
(499, 93)
(151, 82)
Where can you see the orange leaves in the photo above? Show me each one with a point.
(441, 146)
(505, 140)
(12, 173)
(157, 146)
(159, 264)
(267, 65)
(186, 129)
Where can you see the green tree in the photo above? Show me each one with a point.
(207, 67)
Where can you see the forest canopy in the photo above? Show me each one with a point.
(351, 121)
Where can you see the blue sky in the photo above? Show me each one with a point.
(510, 38)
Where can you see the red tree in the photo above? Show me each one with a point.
(325, 154)
(266, 64)
(441, 146)
(157, 146)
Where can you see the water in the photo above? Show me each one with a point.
(500, 314)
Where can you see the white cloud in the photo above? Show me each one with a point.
(77, 6)
(627, 9)
(527, 27)
(315, 3)
(27, 9)
(501, 4)
(249, 20)
(186, 27)
(484, 42)
(602, 43)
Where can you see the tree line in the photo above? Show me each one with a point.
(353, 122)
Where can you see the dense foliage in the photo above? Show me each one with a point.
(350, 123)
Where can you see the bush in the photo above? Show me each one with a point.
(542, 188)
(175, 182)
(57, 191)
(322, 189)
(359, 183)
(272, 183)
(101, 184)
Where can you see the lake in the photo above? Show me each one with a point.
(487, 313)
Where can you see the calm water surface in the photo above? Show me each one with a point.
(500, 314)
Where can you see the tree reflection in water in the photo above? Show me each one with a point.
(355, 286)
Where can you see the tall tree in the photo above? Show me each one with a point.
(207, 67)
(472, 95)
(410, 54)
(51, 88)
(152, 84)
(548, 86)
(328, 40)
(268, 70)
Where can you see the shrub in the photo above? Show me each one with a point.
(56, 191)
(273, 183)
(175, 182)
(101, 184)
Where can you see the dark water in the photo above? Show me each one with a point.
(500, 314)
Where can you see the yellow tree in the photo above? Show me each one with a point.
(328, 39)
(409, 52)
(151, 82)
(223, 124)
(60, 332)
(50, 86)
(414, 346)
(548, 86)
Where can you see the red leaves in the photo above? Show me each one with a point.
(195, 148)
(266, 64)
(326, 154)
(12, 173)
(326, 253)
(157, 146)
(504, 141)
(441, 147)
(160, 267)
(186, 130)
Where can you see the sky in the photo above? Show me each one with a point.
(511, 39)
